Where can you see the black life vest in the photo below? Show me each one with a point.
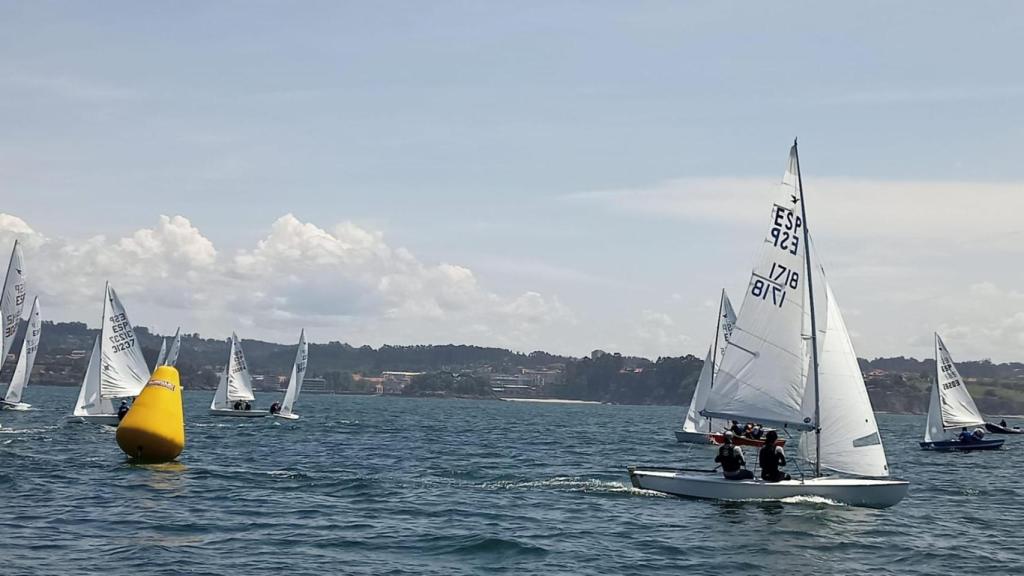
(768, 459)
(730, 460)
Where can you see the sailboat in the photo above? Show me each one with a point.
(12, 299)
(162, 355)
(696, 428)
(295, 380)
(773, 371)
(950, 407)
(116, 369)
(235, 386)
(23, 370)
(172, 353)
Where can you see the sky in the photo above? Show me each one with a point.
(562, 176)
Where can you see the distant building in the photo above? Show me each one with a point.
(394, 382)
(314, 386)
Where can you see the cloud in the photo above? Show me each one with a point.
(344, 283)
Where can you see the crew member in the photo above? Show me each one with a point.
(122, 410)
(772, 458)
(730, 457)
(965, 436)
(275, 407)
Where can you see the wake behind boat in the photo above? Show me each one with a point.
(234, 392)
(950, 407)
(771, 372)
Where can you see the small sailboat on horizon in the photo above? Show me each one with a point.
(950, 407)
(117, 368)
(774, 372)
(696, 428)
(294, 381)
(26, 359)
(234, 391)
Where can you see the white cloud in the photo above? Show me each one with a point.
(345, 283)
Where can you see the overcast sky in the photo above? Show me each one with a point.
(544, 175)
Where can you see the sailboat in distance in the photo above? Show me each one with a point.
(234, 392)
(950, 407)
(12, 300)
(696, 428)
(27, 358)
(294, 381)
(773, 371)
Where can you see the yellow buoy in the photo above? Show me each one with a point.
(154, 429)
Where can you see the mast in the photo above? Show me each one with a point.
(814, 324)
(714, 347)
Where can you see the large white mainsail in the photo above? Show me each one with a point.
(161, 357)
(950, 405)
(90, 402)
(12, 299)
(172, 354)
(236, 383)
(124, 372)
(694, 422)
(850, 442)
(298, 373)
(763, 371)
(29, 346)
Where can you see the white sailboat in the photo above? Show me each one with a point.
(172, 353)
(120, 367)
(91, 407)
(696, 428)
(161, 356)
(23, 370)
(951, 408)
(295, 380)
(772, 373)
(12, 299)
(235, 387)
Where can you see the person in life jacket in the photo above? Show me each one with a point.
(122, 410)
(771, 458)
(730, 457)
(275, 408)
(965, 436)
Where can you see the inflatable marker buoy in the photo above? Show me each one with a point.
(154, 429)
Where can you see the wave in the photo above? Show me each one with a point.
(572, 484)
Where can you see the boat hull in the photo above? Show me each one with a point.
(957, 446)
(744, 441)
(15, 406)
(686, 437)
(868, 493)
(997, 429)
(238, 413)
(108, 419)
(286, 416)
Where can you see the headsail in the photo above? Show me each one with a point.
(12, 300)
(90, 402)
(694, 422)
(956, 407)
(29, 346)
(239, 385)
(172, 354)
(298, 373)
(850, 442)
(124, 372)
(763, 371)
(162, 356)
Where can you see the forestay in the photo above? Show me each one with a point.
(27, 358)
(950, 405)
(90, 402)
(850, 442)
(694, 422)
(763, 371)
(298, 373)
(172, 354)
(12, 300)
(124, 372)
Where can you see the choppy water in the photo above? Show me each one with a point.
(365, 485)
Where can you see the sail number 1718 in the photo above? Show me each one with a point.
(774, 285)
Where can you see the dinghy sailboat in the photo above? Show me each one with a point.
(295, 381)
(12, 299)
(771, 372)
(696, 428)
(116, 369)
(234, 392)
(950, 407)
(172, 353)
(23, 370)
(162, 355)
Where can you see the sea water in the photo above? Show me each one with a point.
(388, 485)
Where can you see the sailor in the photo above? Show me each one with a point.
(122, 410)
(736, 428)
(238, 405)
(748, 430)
(978, 434)
(731, 459)
(275, 407)
(757, 432)
(965, 436)
(1003, 422)
(771, 458)
(248, 406)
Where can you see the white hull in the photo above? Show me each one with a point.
(853, 491)
(17, 406)
(238, 413)
(286, 416)
(693, 437)
(108, 419)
